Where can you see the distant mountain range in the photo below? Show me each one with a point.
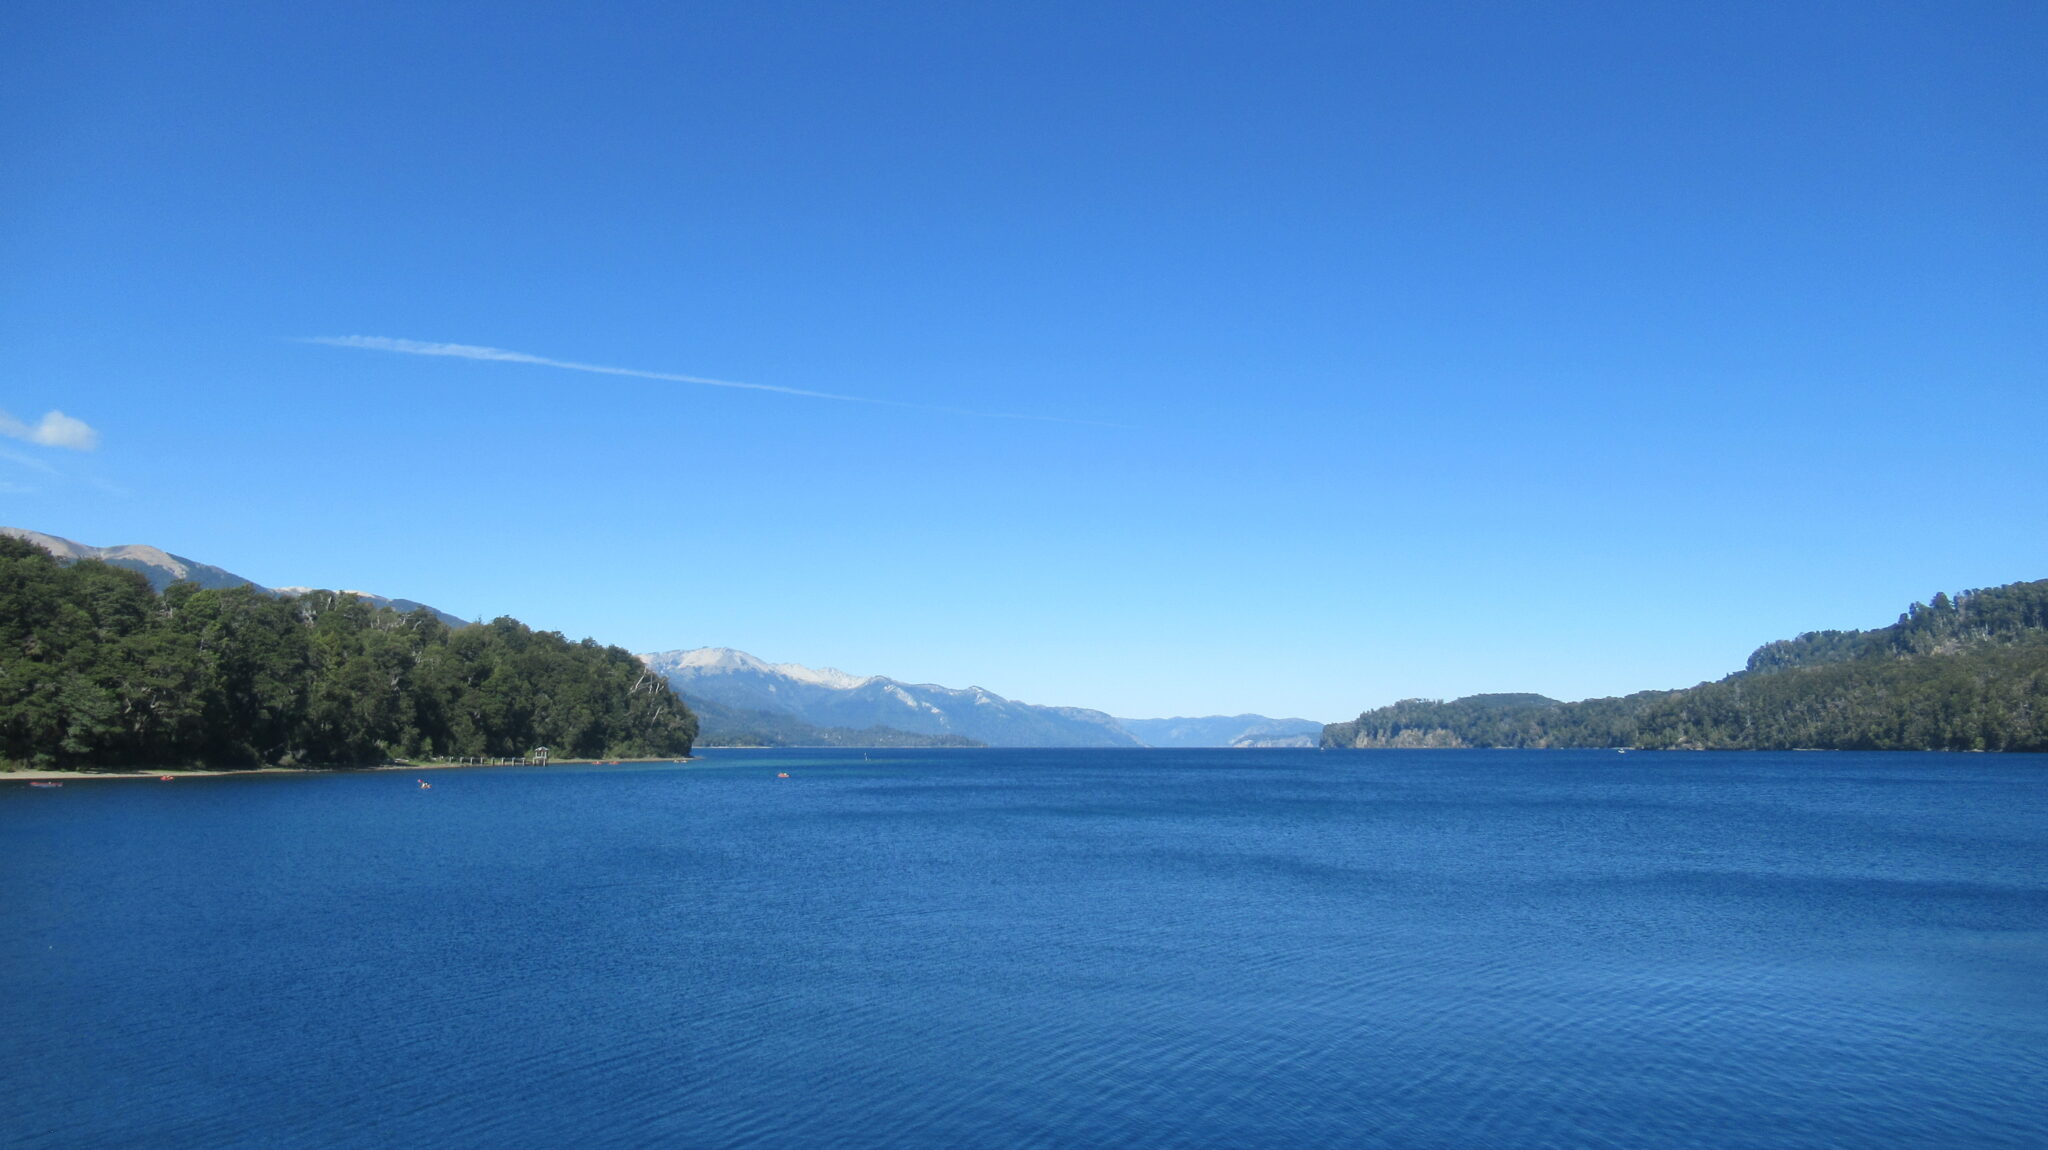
(743, 700)
(831, 698)
(162, 569)
(722, 726)
(1225, 731)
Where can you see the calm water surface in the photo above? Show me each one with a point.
(1033, 948)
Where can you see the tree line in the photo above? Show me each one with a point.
(1962, 673)
(96, 669)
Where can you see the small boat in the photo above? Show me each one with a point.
(165, 778)
(782, 774)
(425, 785)
(44, 783)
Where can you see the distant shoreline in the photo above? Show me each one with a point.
(215, 772)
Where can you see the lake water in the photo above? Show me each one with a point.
(1038, 948)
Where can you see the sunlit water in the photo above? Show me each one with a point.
(1038, 948)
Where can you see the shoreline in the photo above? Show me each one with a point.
(39, 776)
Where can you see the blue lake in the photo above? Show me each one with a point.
(1038, 948)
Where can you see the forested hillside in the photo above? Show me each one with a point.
(96, 669)
(1968, 673)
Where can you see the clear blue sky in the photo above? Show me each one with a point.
(1382, 350)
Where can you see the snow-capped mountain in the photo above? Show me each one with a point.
(832, 698)
(726, 661)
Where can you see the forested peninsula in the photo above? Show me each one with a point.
(1968, 673)
(99, 670)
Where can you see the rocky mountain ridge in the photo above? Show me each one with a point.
(826, 697)
(162, 568)
(831, 698)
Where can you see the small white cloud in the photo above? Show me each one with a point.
(56, 429)
(60, 430)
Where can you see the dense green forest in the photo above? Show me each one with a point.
(1968, 673)
(96, 669)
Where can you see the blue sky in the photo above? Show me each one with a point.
(1372, 350)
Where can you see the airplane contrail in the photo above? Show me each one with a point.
(500, 355)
